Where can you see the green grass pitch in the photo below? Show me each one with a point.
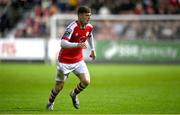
(114, 89)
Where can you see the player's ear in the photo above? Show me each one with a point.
(79, 15)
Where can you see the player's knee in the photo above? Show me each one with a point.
(59, 85)
(86, 82)
(85, 79)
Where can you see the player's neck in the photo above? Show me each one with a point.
(82, 26)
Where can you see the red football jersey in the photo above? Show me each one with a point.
(74, 33)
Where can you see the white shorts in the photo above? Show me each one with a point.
(63, 70)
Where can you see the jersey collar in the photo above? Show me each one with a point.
(79, 24)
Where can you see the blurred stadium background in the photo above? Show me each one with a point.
(125, 31)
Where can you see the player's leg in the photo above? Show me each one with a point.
(84, 82)
(54, 92)
(83, 74)
(61, 76)
(84, 77)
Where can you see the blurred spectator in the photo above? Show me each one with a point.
(35, 21)
(138, 8)
(62, 5)
(72, 4)
(53, 8)
(11, 11)
(4, 23)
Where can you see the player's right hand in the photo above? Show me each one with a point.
(82, 45)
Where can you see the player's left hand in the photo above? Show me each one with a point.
(93, 55)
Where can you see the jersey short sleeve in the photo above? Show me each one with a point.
(69, 31)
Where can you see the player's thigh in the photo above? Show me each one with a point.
(82, 72)
(62, 72)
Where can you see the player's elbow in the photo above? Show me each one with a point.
(63, 44)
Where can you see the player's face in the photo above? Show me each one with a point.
(84, 18)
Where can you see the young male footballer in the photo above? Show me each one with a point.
(70, 57)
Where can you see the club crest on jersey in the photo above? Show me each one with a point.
(67, 32)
